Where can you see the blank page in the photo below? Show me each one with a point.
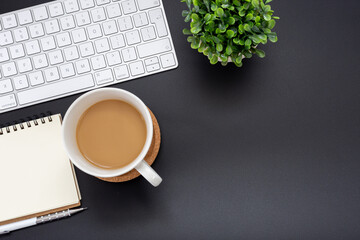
(35, 172)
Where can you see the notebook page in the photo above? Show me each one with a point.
(35, 172)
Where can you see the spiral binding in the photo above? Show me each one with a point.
(30, 122)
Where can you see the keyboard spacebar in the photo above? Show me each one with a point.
(55, 89)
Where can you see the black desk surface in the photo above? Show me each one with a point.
(267, 151)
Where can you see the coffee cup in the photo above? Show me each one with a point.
(69, 128)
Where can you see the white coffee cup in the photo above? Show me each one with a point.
(69, 135)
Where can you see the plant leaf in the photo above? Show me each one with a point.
(231, 20)
(230, 33)
(185, 13)
(220, 12)
(207, 17)
(186, 31)
(260, 53)
(214, 59)
(272, 37)
(271, 24)
(247, 27)
(228, 50)
(188, 3)
(267, 17)
(248, 43)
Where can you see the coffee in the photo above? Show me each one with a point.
(111, 134)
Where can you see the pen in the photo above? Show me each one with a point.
(38, 220)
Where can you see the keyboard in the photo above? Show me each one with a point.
(69, 46)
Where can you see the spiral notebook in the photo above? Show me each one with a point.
(36, 176)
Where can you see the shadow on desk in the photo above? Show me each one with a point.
(130, 202)
(227, 85)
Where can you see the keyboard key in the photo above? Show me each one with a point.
(9, 21)
(67, 70)
(117, 41)
(52, 26)
(79, 35)
(113, 58)
(40, 13)
(157, 17)
(82, 19)
(146, 4)
(6, 38)
(56, 57)
(125, 23)
(110, 27)
(98, 62)
(87, 49)
(40, 61)
(20, 82)
(153, 67)
(4, 55)
(83, 66)
(24, 65)
(63, 39)
(113, 10)
(32, 47)
(56, 9)
(71, 6)
(132, 37)
(121, 72)
(7, 102)
(140, 19)
(25, 17)
(71, 53)
(36, 78)
(21, 34)
(67, 22)
(148, 33)
(153, 48)
(17, 51)
(51, 74)
(52, 90)
(85, 4)
(94, 31)
(98, 14)
(5, 86)
(36, 30)
(128, 6)
(9, 69)
(104, 77)
(167, 60)
(151, 61)
(102, 2)
(137, 68)
(128, 54)
(102, 45)
(48, 43)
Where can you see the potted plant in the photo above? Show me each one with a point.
(229, 30)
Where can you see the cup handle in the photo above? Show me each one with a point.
(148, 173)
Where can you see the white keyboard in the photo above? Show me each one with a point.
(69, 46)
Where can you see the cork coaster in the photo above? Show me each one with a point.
(149, 158)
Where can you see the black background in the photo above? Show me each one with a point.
(267, 151)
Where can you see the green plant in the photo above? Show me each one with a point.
(229, 29)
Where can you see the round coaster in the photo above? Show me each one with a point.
(149, 158)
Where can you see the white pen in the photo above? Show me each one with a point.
(38, 220)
